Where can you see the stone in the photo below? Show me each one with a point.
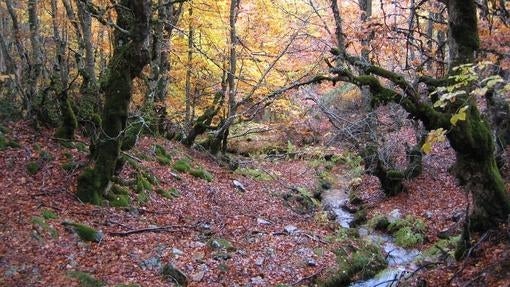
(290, 229)
(259, 261)
(262, 221)
(177, 252)
(171, 272)
(394, 215)
(237, 184)
(257, 281)
(310, 262)
(197, 276)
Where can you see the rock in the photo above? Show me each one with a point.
(290, 229)
(257, 281)
(169, 271)
(197, 276)
(310, 262)
(363, 232)
(151, 263)
(428, 214)
(394, 215)
(458, 215)
(259, 261)
(177, 252)
(237, 184)
(262, 221)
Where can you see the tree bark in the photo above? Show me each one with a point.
(129, 58)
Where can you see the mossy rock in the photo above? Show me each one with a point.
(182, 165)
(407, 238)
(85, 232)
(119, 190)
(70, 166)
(41, 223)
(360, 217)
(444, 245)
(358, 261)
(89, 184)
(169, 194)
(379, 222)
(142, 184)
(221, 244)
(119, 200)
(169, 271)
(85, 279)
(201, 173)
(33, 167)
(408, 232)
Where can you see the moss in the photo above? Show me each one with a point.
(379, 222)
(182, 165)
(174, 274)
(170, 194)
(254, 173)
(119, 189)
(221, 243)
(6, 142)
(416, 224)
(70, 166)
(444, 245)
(142, 183)
(359, 261)
(33, 167)
(142, 198)
(360, 217)
(407, 238)
(85, 232)
(162, 156)
(85, 279)
(119, 200)
(49, 214)
(69, 122)
(201, 173)
(89, 186)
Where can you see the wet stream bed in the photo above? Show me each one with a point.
(401, 261)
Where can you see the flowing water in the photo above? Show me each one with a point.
(400, 260)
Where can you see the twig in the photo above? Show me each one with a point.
(169, 228)
(308, 277)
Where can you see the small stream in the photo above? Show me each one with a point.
(400, 260)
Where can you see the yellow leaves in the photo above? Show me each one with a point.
(4, 77)
(434, 136)
(459, 116)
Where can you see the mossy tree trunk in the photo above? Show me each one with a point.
(471, 139)
(129, 58)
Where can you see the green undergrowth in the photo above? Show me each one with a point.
(42, 226)
(301, 200)
(201, 173)
(254, 173)
(162, 156)
(169, 194)
(185, 166)
(85, 279)
(357, 259)
(408, 231)
(182, 165)
(443, 247)
(84, 232)
(36, 164)
(5, 141)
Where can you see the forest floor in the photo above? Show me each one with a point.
(215, 233)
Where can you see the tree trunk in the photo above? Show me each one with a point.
(129, 58)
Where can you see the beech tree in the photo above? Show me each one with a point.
(130, 56)
(466, 129)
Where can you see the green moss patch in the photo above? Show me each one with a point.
(85, 279)
(162, 156)
(201, 173)
(254, 173)
(33, 167)
(408, 232)
(182, 165)
(85, 232)
(358, 260)
(169, 194)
